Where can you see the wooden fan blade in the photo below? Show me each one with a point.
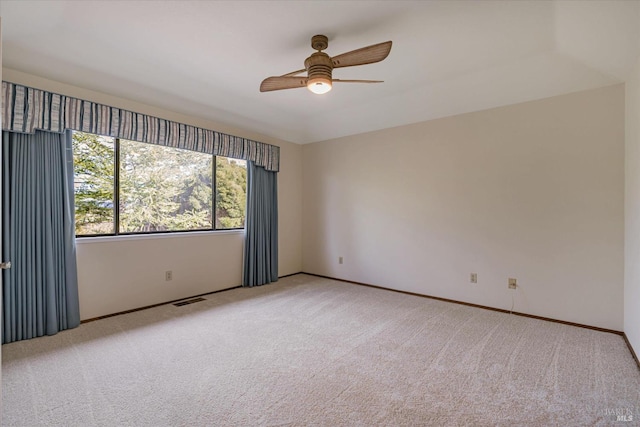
(357, 81)
(365, 55)
(294, 73)
(278, 83)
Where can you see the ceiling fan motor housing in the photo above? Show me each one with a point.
(319, 67)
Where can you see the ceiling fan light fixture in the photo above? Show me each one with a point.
(319, 67)
(319, 85)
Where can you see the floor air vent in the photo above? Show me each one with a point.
(189, 301)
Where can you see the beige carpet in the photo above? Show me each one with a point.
(310, 351)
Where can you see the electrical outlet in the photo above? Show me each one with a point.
(512, 283)
(340, 260)
(168, 275)
(474, 278)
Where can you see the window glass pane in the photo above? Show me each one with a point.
(164, 189)
(231, 192)
(93, 183)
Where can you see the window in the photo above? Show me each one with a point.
(93, 164)
(155, 188)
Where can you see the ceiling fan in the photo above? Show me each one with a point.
(320, 65)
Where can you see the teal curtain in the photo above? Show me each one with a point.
(261, 227)
(40, 292)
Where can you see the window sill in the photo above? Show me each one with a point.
(151, 236)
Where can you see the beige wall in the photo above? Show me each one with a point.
(122, 273)
(632, 211)
(532, 191)
(118, 274)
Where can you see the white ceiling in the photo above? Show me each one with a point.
(207, 58)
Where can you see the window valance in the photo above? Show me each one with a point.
(26, 109)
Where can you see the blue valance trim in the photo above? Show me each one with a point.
(25, 109)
